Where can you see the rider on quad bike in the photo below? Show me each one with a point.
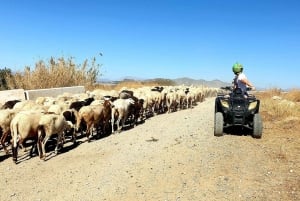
(238, 108)
(240, 80)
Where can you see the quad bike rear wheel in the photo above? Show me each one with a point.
(218, 127)
(257, 126)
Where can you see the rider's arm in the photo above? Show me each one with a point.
(244, 80)
(247, 82)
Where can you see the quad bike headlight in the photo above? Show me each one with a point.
(252, 105)
(224, 103)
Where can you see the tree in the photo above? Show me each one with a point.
(4, 73)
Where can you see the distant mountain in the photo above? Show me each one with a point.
(121, 79)
(213, 83)
(179, 81)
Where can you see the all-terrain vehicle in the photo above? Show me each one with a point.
(236, 109)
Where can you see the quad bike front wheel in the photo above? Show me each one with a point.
(218, 127)
(257, 126)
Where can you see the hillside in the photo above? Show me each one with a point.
(178, 81)
(188, 81)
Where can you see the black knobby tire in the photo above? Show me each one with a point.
(257, 126)
(218, 127)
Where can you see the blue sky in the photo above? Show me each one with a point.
(200, 39)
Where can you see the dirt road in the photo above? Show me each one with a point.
(169, 157)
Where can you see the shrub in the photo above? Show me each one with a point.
(4, 73)
(279, 110)
(59, 72)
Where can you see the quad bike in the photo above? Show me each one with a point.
(235, 109)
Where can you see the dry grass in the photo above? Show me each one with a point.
(293, 95)
(281, 120)
(282, 106)
(55, 73)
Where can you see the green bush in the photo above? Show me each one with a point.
(4, 73)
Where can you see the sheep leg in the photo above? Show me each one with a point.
(15, 145)
(33, 147)
(15, 152)
(39, 146)
(74, 136)
(44, 147)
(112, 125)
(123, 122)
(104, 128)
(3, 138)
(59, 141)
(99, 129)
(118, 125)
(114, 114)
(89, 130)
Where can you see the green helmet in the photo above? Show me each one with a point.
(237, 68)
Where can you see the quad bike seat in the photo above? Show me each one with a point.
(239, 94)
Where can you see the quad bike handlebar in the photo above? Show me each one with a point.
(230, 88)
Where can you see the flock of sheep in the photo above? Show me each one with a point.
(98, 111)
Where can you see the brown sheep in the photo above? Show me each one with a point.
(94, 116)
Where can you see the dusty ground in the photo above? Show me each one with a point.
(169, 157)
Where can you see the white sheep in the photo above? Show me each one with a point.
(48, 125)
(120, 110)
(23, 126)
(29, 105)
(5, 119)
